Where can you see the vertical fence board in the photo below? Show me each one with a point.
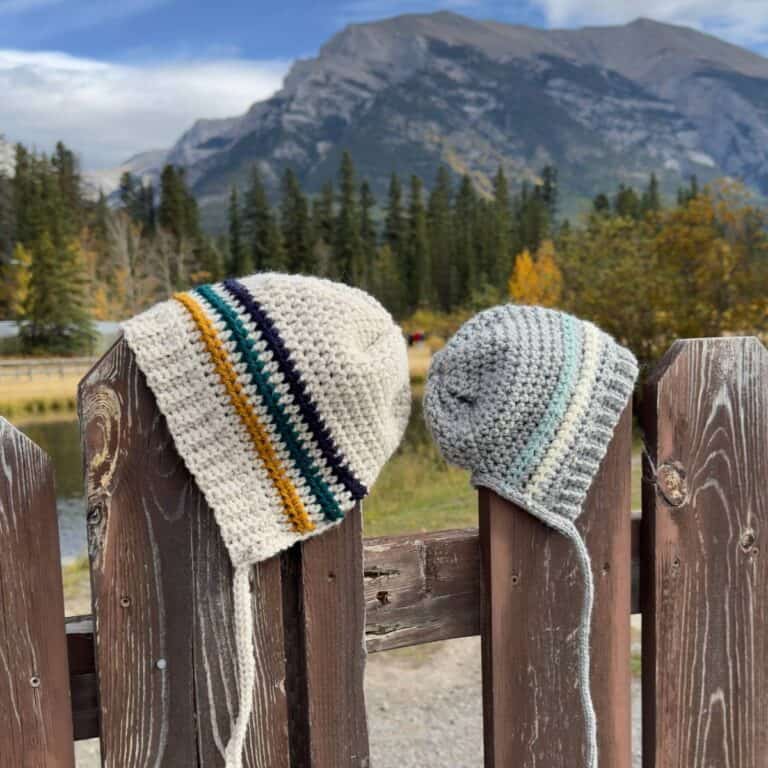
(531, 599)
(161, 589)
(35, 709)
(326, 650)
(705, 622)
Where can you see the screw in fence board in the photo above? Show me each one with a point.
(325, 644)
(705, 613)
(35, 707)
(531, 600)
(161, 591)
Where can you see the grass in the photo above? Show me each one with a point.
(419, 357)
(416, 492)
(77, 586)
(41, 395)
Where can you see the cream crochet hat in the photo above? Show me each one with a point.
(285, 395)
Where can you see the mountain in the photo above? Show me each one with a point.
(145, 166)
(603, 104)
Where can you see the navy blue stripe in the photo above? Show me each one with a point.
(302, 398)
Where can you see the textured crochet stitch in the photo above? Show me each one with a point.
(527, 398)
(284, 395)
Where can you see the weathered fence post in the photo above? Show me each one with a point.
(35, 707)
(163, 613)
(705, 520)
(161, 577)
(532, 596)
(325, 648)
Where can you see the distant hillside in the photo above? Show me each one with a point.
(605, 105)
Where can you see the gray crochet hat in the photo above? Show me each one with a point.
(527, 399)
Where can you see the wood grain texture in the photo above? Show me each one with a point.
(418, 589)
(421, 588)
(531, 598)
(35, 713)
(325, 643)
(705, 628)
(161, 583)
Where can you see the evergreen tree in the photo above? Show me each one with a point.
(147, 207)
(601, 204)
(501, 226)
(550, 192)
(348, 251)
(417, 275)
(322, 214)
(651, 199)
(260, 228)
(367, 233)
(627, 203)
(239, 258)
(394, 222)
(7, 241)
(691, 192)
(65, 167)
(440, 234)
(386, 284)
(177, 211)
(295, 225)
(531, 219)
(55, 317)
(27, 197)
(464, 210)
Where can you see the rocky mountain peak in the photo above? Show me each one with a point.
(604, 104)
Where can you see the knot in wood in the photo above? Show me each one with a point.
(747, 540)
(95, 514)
(671, 481)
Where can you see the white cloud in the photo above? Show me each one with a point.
(741, 21)
(107, 112)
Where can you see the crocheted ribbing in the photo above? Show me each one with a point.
(285, 396)
(527, 399)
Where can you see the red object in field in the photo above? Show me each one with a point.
(416, 336)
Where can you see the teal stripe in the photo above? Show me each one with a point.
(246, 346)
(558, 403)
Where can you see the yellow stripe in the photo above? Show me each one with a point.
(292, 504)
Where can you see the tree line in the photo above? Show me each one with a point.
(645, 271)
(440, 249)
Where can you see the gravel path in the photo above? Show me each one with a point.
(424, 708)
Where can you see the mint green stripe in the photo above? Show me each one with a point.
(557, 405)
(246, 346)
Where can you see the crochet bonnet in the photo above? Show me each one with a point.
(284, 395)
(527, 399)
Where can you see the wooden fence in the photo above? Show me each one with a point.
(151, 672)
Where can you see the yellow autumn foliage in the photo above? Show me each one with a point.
(537, 280)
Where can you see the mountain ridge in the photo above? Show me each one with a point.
(604, 104)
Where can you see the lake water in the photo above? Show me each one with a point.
(61, 441)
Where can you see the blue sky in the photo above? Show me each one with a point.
(114, 77)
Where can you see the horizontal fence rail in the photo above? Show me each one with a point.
(139, 673)
(418, 588)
